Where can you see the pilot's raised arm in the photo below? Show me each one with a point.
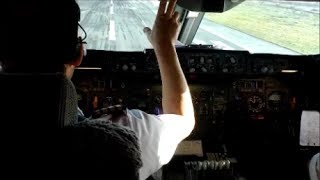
(159, 135)
(163, 36)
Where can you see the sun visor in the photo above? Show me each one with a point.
(208, 5)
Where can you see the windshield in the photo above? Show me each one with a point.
(117, 25)
(278, 27)
(281, 27)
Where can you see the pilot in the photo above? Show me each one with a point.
(42, 36)
(314, 167)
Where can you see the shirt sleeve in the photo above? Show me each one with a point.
(314, 167)
(159, 136)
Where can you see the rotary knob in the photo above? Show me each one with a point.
(203, 69)
(271, 70)
(201, 59)
(133, 67)
(125, 67)
(192, 70)
(264, 69)
(225, 70)
(233, 60)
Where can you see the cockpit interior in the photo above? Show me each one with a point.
(252, 66)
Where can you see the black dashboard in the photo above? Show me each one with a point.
(247, 106)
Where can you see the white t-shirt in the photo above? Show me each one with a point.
(314, 167)
(159, 136)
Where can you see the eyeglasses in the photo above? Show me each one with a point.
(85, 33)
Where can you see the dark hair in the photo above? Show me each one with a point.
(101, 149)
(38, 32)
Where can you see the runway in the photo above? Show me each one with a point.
(117, 25)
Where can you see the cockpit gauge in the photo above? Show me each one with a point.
(255, 103)
(275, 101)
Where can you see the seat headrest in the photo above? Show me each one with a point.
(37, 100)
(33, 108)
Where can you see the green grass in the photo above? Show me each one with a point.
(295, 30)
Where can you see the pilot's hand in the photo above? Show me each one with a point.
(166, 25)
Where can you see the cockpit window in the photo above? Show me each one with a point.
(117, 25)
(281, 27)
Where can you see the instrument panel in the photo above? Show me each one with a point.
(248, 104)
(258, 82)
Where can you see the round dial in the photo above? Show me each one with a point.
(255, 103)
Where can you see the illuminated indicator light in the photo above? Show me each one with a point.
(88, 68)
(289, 71)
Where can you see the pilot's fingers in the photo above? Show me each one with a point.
(147, 31)
(162, 7)
(176, 17)
(170, 7)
